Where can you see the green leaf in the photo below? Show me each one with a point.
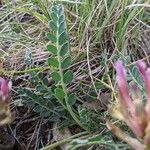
(59, 108)
(68, 77)
(66, 62)
(54, 9)
(40, 75)
(61, 19)
(54, 118)
(47, 95)
(53, 62)
(53, 26)
(50, 105)
(54, 16)
(52, 49)
(59, 93)
(64, 49)
(56, 76)
(71, 99)
(40, 88)
(51, 37)
(45, 113)
(61, 10)
(62, 38)
(62, 27)
(45, 81)
(29, 102)
(95, 139)
(37, 109)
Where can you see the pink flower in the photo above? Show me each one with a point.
(123, 85)
(146, 77)
(131, 109)
(127, 107)
(5, 87)
(6, 116)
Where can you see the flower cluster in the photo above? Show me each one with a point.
(5, 113)
(131, 109)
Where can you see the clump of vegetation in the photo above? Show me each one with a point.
(60, 56)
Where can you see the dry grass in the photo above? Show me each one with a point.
(100, 32)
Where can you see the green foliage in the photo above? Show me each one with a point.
(41, 98)
(56, 76)
(100, 139)
(54, 100)
(76, 143)
(61, 59)
(66, 62)
(109, 24)
(68, 77)
(91, 119)
(64, 49)
(59, 93)
(52, 61)
(71, 99)
(122, 26)
(52, 49)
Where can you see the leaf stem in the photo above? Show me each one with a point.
(52, 146)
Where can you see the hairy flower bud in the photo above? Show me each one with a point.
(6, 116)
(131, 109)
(5, 87)
(127, 107)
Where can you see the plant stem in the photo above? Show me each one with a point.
(52, 146)
(24, 71)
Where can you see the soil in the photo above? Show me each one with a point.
(7, 142)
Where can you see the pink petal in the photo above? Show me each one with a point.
(122, 85)
(127, 106)
(146, 77)
(134, 143)
(4, 89)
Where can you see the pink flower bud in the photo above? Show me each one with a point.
(134, 143)
(128, 108)
(122, 85)
(131, 109)
(146, 77)
(5, 87)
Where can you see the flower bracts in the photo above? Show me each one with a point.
(130, 108)
(5, 114)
